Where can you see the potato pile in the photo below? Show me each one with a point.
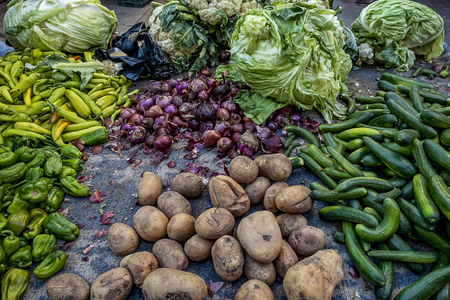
(261, 246)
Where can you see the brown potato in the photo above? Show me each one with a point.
(228, 258)
(243, 169)
(256, 190)
(181, 227)
(315, 277)
(172, 203)
(168, 284)
(198, 248)
(170, 254)
(260, 236)
(187, 184)
(307, 240)
(291, 222)
(122, 239)
(214, 223)
(150, 223)
(285, 260)
(294, 199)
(254, 290)
(255, 270)
(276, 167)
(271, 194)
(67, 287)
(116, 284)
(140, 264)
(149, 189)
(227, 193)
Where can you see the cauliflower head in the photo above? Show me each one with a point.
(207, 9)
(163, 39)
(249, 5)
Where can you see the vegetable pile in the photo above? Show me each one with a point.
(386, 171)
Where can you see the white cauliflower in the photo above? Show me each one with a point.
(207, 9)
(249, 5)
(164, 39)
(318, 3)
(366, 54)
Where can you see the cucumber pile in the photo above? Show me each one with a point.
(385, 172)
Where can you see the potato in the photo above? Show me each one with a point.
(276, 167)
(187, 184)
(307, 240)
(285, 260)
(254, 290)
(227, 193)
(166, 283)
(256, 190)
(140, 264)
(170, 254)
(243, 169)
(228, 258)
(172, 203)
(255, 270)
(149, 189)
(315, 277)
(271, 194)
(67, 287)
(181, 227)
(214, 223)
(150, 223)
(294, 199)
(116, 284)
(291, 222)
(198, 248)
(122, 239)
(260, 236)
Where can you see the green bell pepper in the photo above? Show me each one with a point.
(52, 264)
(3, 260)
(18, 221)
(37, 216)
(38, 160)
(21, 258)
(53, 201)
(22, 242)
(67, 172)
(97, 137)
(8, 159)
(34, 174)
(25, 154)
(14, 284)
(59, 226)
(6, 194)
(11, 243)
(3, 222)
(53, 166)
(34, 191)
(72, 187)
(43, 245)
(70, 151)
(74, 163)
(17, 204)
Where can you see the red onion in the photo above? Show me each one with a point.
(210, 82)
(145, 104)
(296, 118)
(192, 96)
(204, 112)
(159, 122)
(186, 108)
(172, 81)
(136, 135)
(177, 100)
(237, 128)
(155, 87)
(179, 122)
(127, 127)
(163, 143)
(166, 87)
(353, 272)
(248, 140)
(205, 71)
(230, 106)
(286, 110)
(250, 126)
(182, 87)
(223, 128)
(206, 126)
(211, 137)
(149, 141)
(235, 137)
(162, 131)
(235, 119)
(221, 90)
(203, 95)
(147, 123)
(197, 85)
(79, 144)
(284, 132)
(193, 124)
(163, 101)
(173, 92)
(438, 67)
(165, 94)
(126, 112)
(272, 125)
(272, 144)
(171, 109)
(222, 114)
(246, 119)
(134, 118)
(224, 145)
(136, 98)
(224, 55)
(155, 111)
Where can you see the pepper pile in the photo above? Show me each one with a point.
(48, 94)
(33, 184)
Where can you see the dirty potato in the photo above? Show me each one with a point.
(116, 284)
(290, 222)
(254, 290)
(285, 260)
(140, 264)
(256, 270)
(170, 254)
(214, 223)
(198, 248)
(67, 286)
(256, 189)
(149, 189)
(150, 223)
(181, 227)
(172, 203)
(187, 184)
(122, 239)
(228, 258)
(276, 167)
(271, 194)
(294, 199)
(243, 169)
(307, 240)
(227, 193)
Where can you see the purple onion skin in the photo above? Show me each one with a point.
(127, 127)
(223, 128)
(230, 106)
(172, 82)
(163, 143)
(127, 112)
(193, 124)
(272, 125)
(147, 123)
(235, 119)
(182, 87)
(197, 85)
(272, 144)
(162, 131)
(206, 126)
(149, 141)
(163, 101)
(145, 104)
(171, 109)
(210, 82)
(159, 122)
(250, 126)
(211, 138)
(204, 112)
(137, 135)
(286, 110)
(237, 128)
(296, 118)
(135, 118)
(177, 100)
(166, 87)
(154, 111)
(173, 92)
(155, 87)
(248, 140)
(235, 137)
(178, 122)
(224, 145)
(203, 95)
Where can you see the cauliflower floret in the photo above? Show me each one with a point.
(366, 54)
(249, 5)
(318, 3)
(207, 9)
(163, 39)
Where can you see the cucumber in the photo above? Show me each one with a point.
(440, 193)
(302, 132)
(403, 102)
(393, 194)
(398, 182)
(413, 214)
(365, 266)
(443, 261)
(339, 237)
(445, 137)
(369, 100)
(387, 267)
(339, 213)
(445, 174)
(427, 95)
(424, 165)
(385, 131)
(421, 257)
(346, 165)
(397, 243)
(347, 124)
(318, 186)
(405, 137)
(389, 173)
(373, 106)
(374, 112)
(386, 86)
(408, 191)
(354, 133)
(405, 226)
(319, 156)
(351, 105)
(386, 228)
(433, 238)
(395, 79)
(356, 156)
(370, 174)
(354, 144)
(370, 160)
(402, 150)
(330, 196)
(394, 161)
(336, 174)
(444, 110)
(329, 140)
(437, 153)
(373, 212)
(312, 165)
(414, 94)
(435, 119)
(388, 120)
(376, 184)
(380, 94)
(354, 203)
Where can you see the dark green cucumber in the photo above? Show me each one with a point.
(365, 266)
(445, 137)
(312, 165)
(395, 79)
(345, 164)
(435, 119)
(356, 156)
(330, 196)
(339, 213)
(369, 100)
(319, 156)
(370, 160)
(354, 133)
(399, 244)
(315, 185)
(354, 144)
(444, 110)
(339, 237)
(420, 257)
(329, 140)
(393, 194)
(370, 174)
(374, 213)
(433, 238)
(389, 173)
(386, 228)
(387, 267)
(386, 86)
(374, 112)
(402, 150)
(405, 137)
(394, 161)
(402, 101)
(336, 174)
(414, 94)
(302, 132)
(354, 203)
(351, 105)
(440, 193)
(408, 191)
(427, 95)
(437, 153)
(445, 174)
(388, 120)
(347, 124)
(413, 214)
(443, 261)
(398, 182)
(424, 165)
(376, 184)
(380, 94)
(373, 106)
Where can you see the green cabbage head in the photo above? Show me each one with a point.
(398, 29)
(71, 26)
(293, 54)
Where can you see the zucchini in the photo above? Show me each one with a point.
(393, 194)
(373, 106)
(376, 184)
(347, 124)
(380, 94)
(302, 132)
(397, 243)
(444, 110)
(388, 120)
(445, 174)
(402, 150)
(369, 100)
(443, 261)
(403, 102)
(344, 163)
(356, 156)
(420, 257)
(386, 86)
(424, 165)
(370, 174)
(339, 213)
(319, 156)
(370, 160)
(405, 137)
(427, 95)
(312, 165)
(354, 133)
(440, 193)
(414, 94)
(413, 214)
(336, 174)
(445, 137)
(330, 196)
(387, 267)
(395, 79)
(389, 173)
(437, 153)
(435, 119)
(433, 238)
